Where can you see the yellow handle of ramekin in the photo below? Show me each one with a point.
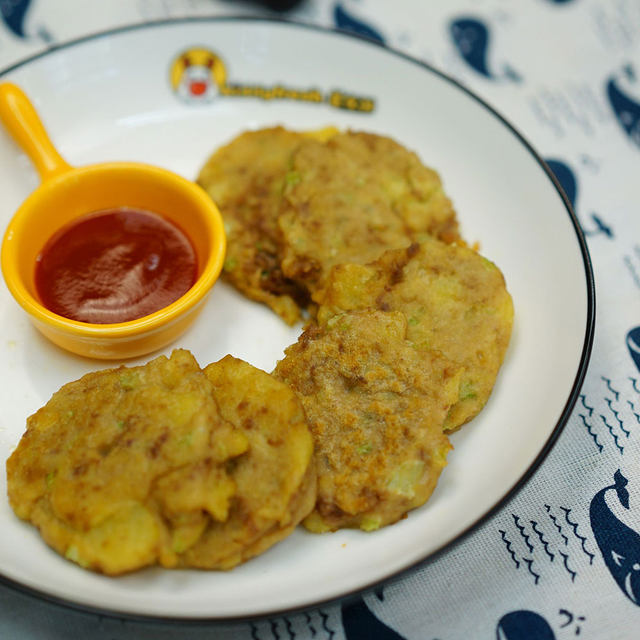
(22, 121)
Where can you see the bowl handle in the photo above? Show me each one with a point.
(22, 121)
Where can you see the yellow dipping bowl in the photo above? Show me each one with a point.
(67, 193)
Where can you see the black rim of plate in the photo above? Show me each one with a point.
(527, 474)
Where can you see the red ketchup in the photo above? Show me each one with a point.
(114, 266)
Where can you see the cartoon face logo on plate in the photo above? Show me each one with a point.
(197, 74)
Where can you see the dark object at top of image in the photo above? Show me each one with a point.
(274, 5)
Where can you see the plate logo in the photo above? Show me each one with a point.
(199, 76)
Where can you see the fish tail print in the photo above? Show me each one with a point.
(601, 227)
(13, 15)
(345, 21)
(625, 109)
(511, 74)
(360, 624)
(620, 484)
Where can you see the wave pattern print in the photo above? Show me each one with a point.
(524, 625)
(347, 22)
(543, 540)
(618, 543)
(607, 381)
(583, 402)
(591, 432)
(565, 564)
(615, 422)
(325, 626)
(314, 624)
(626, 108)
(581, 538)
(523, 533)
(529, 563)
(525, 560)
(612, 428)
(634, 411)
(634, 404)
(509, 547)
(556, 524)
(566, 176)
(472, 38)
(562, 550)
(616, 414)
(553, 540)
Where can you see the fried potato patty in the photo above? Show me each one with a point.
(275, 480)
(351, 198)
(376, 405)
(454, 300)
(126, 467)
(245, 178)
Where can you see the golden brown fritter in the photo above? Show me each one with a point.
(349, 199)
(245, 179)
(164, 463)
(126, 467)
(275, 480)
(455, 301)
(376, 405)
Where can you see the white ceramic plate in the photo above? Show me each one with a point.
(112, 97)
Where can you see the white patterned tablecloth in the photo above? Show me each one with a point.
(551, 563)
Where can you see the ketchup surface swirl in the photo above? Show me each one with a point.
(115, 266)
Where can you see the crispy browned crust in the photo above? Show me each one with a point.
(124, 466)
(455, 301)
(352, 197)
(245, 179)
(275, 480)
(376, 407)
(297, 203)
(164, 464)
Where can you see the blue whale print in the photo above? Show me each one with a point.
(360, 624)
(523, 625)
(472, 39)
(633, 344)
(625, 109)
(343, 20)
(567, 179)
(13, 15)
(618, 543)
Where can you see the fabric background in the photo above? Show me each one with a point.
(548, 565)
